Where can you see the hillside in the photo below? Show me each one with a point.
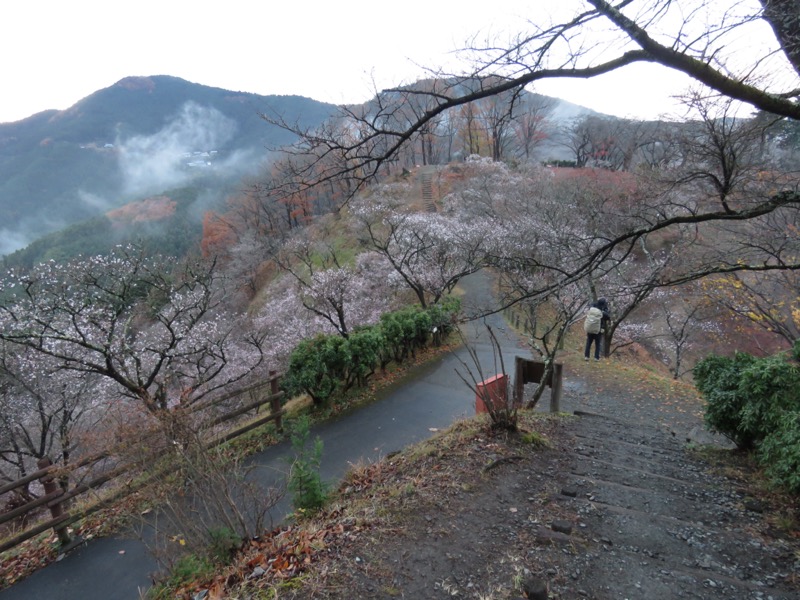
(140, 136)
(61, 170)
(167, 223)
(454, 192)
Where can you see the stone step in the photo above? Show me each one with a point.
(636, 498)
(426, 182)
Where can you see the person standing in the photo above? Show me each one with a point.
(594, 325)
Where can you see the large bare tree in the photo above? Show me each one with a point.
(597, 37)
(690, 36)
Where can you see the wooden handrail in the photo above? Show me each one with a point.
(62, 496)
(21, 510)
(242, 410)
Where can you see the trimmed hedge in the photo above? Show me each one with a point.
(329, 365)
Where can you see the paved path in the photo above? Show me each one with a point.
(431, 397)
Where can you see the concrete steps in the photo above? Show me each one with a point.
(658, 520)
(426, 183)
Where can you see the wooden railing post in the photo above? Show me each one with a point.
(519, 383)
(555, 388)
(275, 403)
(55, 506)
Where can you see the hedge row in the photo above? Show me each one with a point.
(756, 403)
(327, 365)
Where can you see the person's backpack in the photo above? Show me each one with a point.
(594, 318)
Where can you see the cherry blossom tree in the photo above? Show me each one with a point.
(548, 318)
(629, 284)
(341, 294)
(683, 327)
(286, 320)
(546, 221)
(429, 252)
(535, 234)
(153, 331)
(44, 413)
(322, 280)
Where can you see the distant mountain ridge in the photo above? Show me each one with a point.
(137, 137)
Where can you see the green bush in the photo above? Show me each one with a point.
(443, 318)
(365, 346)
(224, 544)
(422, 328)
(771, 386)
(336, 359)
(408, 330)
(328, 365)
(756, 403)
(399, 331)
(780, 452)
(717, 378)
(308, 373)
(316, 367)
(796, 350)
(392, 334)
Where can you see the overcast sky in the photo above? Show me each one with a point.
(55, 52)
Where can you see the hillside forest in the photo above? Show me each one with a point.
(688, 229)
(131, 336)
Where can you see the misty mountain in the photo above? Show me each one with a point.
(63, 173)
(138, 137)
(169, 223)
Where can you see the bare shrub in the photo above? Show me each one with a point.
(208, 508)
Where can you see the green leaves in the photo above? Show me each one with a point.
(756, 403)
(328, 365)
(718, 379)
(780, 452)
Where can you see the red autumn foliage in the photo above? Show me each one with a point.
(217, 234)
(156, 208)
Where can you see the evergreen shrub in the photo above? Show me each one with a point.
(717, 378)
(327, 365)
(756, 403)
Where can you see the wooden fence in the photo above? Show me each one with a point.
(58, 499)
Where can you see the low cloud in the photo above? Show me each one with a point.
(97, 204)
(11, 240)
(196, 142)
(158, 162)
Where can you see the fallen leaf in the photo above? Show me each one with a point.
(216, 591)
